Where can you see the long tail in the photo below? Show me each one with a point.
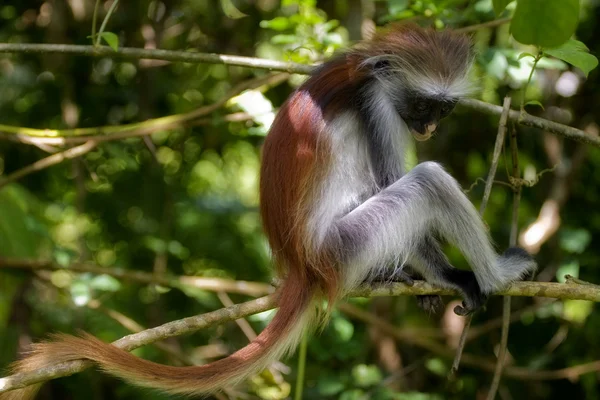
(296, 313)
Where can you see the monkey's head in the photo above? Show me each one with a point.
(422, 73)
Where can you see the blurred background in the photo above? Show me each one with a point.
(183, 201)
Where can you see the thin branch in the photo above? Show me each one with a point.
(112, 8)
(498, 146)
(156, 54)
(506, 301)
(490, 24)
(486, 195)
(211, 284)
(133, 341)
(118, 132)
(290, 67)
(535, 122)
(195, 323)
(519, 373)
(49, 161)
(553, 290)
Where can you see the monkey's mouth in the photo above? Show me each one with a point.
(421, 137)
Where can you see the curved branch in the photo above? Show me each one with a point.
(117, 132)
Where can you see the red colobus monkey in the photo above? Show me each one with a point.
(338, 206)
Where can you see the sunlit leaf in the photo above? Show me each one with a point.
(105, 283)
(231, 10)
(111, 39)
(577, 311)
(535, 103)
(366, 375)
(575, 53)
(525, 54)
(545, 23)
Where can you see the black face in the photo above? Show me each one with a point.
(423, 113)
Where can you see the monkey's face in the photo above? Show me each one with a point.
(423, 114)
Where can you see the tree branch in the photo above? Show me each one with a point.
(186, 56)
(195, 323)
(118, 132)
(211, 284)
(525, 119)
(563, 291)
(156, 54)
(49, 161)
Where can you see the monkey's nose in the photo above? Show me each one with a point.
(431, 128)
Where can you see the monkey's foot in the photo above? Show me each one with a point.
(430, 303)
(473, 298)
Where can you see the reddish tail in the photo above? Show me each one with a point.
(280, 336)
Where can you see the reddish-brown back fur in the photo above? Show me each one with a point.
(296, 157)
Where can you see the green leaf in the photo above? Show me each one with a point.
(575, 240)
(329, 386)
(523, 55)
(277, 24)
(500, 5)
(366, 375)
(575, 53)
(396, 6)
(105, 283)
(535, 103)
(111, 39)
(231, 10)
(545, 23)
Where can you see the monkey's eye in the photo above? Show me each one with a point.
(447, 108)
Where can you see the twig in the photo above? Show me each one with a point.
(241, 323)
(156, 54)
(486, 195)
(490, 24)
(212, 284)
(535, 122)
(498, 146)
(49, 161)
(112, 8)
(506, 301)
(117, 132)
(520, 373)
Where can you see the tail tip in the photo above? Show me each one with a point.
(521, 257)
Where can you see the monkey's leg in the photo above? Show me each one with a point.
(430, 261)
(427, 199)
